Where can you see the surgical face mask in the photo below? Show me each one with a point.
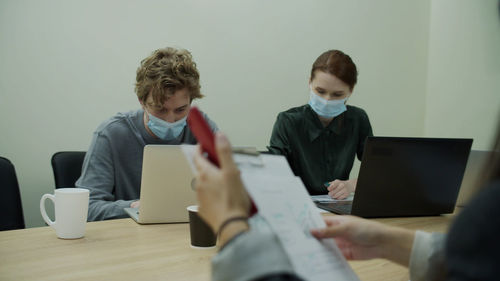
(166, 130)
(326, 108)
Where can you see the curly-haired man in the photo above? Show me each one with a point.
(166, 83)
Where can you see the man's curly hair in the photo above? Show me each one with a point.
(164, 72)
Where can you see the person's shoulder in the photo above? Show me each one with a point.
(478, 218)
(298, 110)
(473, 236)
(357, 114)
(356, 111)
(488, 197)
(481, 208)
(205, 116)
(294, 113)
(118, 123)
(210, 122)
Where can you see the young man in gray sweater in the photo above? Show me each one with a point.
(167, 82)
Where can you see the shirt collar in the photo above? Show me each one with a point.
(314, 127)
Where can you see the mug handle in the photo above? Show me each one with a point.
(42, 208)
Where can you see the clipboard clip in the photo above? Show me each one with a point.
(247, 155)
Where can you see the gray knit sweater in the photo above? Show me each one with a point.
(113, 164)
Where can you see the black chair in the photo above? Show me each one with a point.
(11, 198)
(67, 167)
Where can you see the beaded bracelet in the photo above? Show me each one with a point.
(230, 220)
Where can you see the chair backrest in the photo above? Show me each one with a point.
(67, 167)
(11, 198)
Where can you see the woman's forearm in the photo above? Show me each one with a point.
(397, 245)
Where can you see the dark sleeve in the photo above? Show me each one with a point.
(472, 247)
(279, 143)
(280, 277)
(365, 130)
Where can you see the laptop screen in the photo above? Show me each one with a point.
(410, 176)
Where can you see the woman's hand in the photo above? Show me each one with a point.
(361, 239)
(341, 189)
(220, 191)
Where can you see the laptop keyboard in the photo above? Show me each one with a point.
(337, 207)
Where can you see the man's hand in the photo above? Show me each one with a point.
(135, 204)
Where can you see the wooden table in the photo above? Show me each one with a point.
(123, 250)
(111, 250)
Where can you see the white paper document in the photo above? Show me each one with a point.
(282, 200)
(328, 199)
(286, 205)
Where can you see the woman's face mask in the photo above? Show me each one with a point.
(326, 108)
(328, 94)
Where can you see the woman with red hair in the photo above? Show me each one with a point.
(321, 139)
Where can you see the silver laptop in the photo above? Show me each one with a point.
(470, 183)
(166, 186)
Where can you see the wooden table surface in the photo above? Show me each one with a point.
(123, 250)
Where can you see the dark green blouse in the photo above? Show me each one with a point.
(316, 153)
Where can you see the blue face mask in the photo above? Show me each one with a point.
(326, 108)
(166, 130)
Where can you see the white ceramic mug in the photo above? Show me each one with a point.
(71, 206)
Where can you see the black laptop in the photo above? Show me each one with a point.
(406, 177)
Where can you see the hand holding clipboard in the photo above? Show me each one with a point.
(206, 139)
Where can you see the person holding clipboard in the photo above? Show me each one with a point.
(470, 251)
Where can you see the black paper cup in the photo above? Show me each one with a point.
(202, 236)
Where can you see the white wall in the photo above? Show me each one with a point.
(68, 65)
(463, 96)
